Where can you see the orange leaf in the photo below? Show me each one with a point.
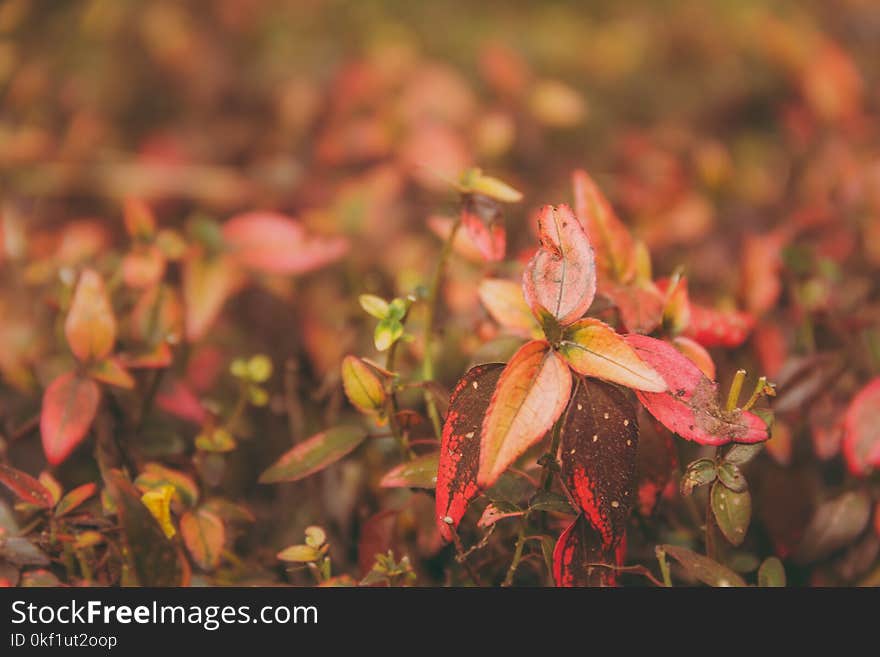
(139, 220)
(615, 250)
(69, 406)
(561, 277)
(696, 353)
(530, 396)
(505, 302)
(207, 283)
(593, 348)
(111, 371)
(90, 326)
(861, 430)
(75, 498)
(143, 266)
(204, 535)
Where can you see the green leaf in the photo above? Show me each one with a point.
(314, 454)
(732, 511)
(731, 476)
(375, 306)
(362, 387)
(771, 573)
(388, 331)
(698, 473)
(703, 568)
(834, 525)
(741, 454)
(421, 472)
(299, 554)
(545, 500)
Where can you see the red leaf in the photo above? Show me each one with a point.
(482, 219)
(861, 430)
(615, 250)
(90, 327)
(25, 487)
(561, 278)
(75, 498)
(179, 400)
(276, 244)
(717, 328)
(697, 354)
(579, 545)
(599, 441)
(460, 445)
(69, 406)
(531, 394)
(690, 407)
(640, 304)
(656, 460)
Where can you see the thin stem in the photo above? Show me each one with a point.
(550, 456)
(517, 552)
(432, 301)
(664, 566)
(393, 406)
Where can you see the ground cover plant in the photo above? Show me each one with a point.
(552, 296)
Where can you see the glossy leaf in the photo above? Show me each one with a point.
(90, 326)
(204, 535)
(420, 472)
(732, 511)
(690, 406)
(314, 454)
(149, 554)
(25, 487)
(276, 244)
(75, 498)
(362, 387)
(861, 427)
(505, 302)
(595, 349)
(579, 546)
(69, 406)
(460, 445)
(598, 446)
(703, 568)
(531, 394)
(561, 278)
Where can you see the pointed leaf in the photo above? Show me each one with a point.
(579, 546)
(703, 568)
(861, 427)
(595, 349)
(111, 371)
(460, 445)
(314, 454)
(362, 387)
(208, 281)
(561, 278)
(25, 487)
(421, 472)
(690, 406)
(483, 222)
(834, 525)
(69, 406)
(75, 498)
(598, 446)
(505, 302)
(151, 556)
(697, 354)
(276, 244)
(204, 536)
(732, 511)
(90, 326)
(615, 251)
(530, 396)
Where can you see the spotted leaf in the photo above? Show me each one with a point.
(598, 449)
(577, 551)
(460, 445)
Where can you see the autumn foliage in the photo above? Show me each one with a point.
(373, 317)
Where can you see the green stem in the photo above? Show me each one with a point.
(735, 389)
(550, 457)
(393, 405)
(433, 294)
(517, 552)
(664, 567)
